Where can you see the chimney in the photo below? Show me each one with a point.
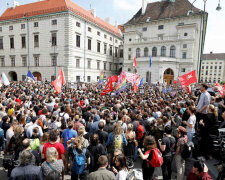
(144, 6)
(93, 12)
(15, 3)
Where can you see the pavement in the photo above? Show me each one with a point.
(137, 165)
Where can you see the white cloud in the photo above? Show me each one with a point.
(127, 5)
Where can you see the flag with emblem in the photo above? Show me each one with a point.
(188, 79)
(59, 82)
(220, 89)
(108, 87)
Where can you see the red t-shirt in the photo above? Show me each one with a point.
(59, 147)
(19, 101)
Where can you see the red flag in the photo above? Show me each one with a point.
(60, 80)
(220, 89)
(175, 82)
(188, 79)
(189, 89)
(114, 78)
(135, 62)
(108, 87)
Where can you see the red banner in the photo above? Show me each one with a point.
(108, 87)
(188, 79)
(114, 78)
(220, 89)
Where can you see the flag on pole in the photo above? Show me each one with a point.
(188, 79)
(5, 79)
(141, 82)
(108, 87)
(135, 62)
(220, 89)
(138, 80)
(150, 62)
(114, 78)
(30, 76)
(101, 80)
(121, 85)
(59, 82)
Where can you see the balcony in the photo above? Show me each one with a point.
(165, 59)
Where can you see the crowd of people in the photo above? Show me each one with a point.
(46, 135)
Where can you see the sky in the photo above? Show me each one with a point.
(120, 11)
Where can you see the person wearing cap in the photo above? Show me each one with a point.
(180, 162)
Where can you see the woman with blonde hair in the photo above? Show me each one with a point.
(74, 151)
(52, 163)
(116, 139)
(81, 132)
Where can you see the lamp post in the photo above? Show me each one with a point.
(218, 8)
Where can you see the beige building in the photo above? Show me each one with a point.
(170, 32)
(213, 67)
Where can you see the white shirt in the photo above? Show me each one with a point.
(192, 121)
(9, 134)
(122, 175)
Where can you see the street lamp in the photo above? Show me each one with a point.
(203, 28)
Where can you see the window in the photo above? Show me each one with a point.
(23, 41)
(54, 60)
(89, 29)
(77, 40)
(182, 69)
(54, 22)
(89, 78)
(77, 24)
(138, 52)
(184, 46)
(12, 43)
(116, 51)
(163, 51)
(89, 44)
(0, 29)
(98, 65)
(128, 69)
(22, 26)
(220, 67)
(185, 34)
(206, 72)
(98, 33)
(1, 42)
(77, 63)
(215, 67)
(211, 67)
(116, 41)
(110, 66)
(121, 53)
(13, 63)
(154, 52)
(207, 67)
(77, 78)
(203, 67)
(36, 40)
(10, 28)
(184, 55)
(130, 39)
(172, 51)
(36, 61)
(129, 49)
(98, 46)
(35, 24)
(24, 61)
(2, 62)
(105, 36)
(54, 39)
(105, 48)
(160, 27)
(129, 57)
(144, 29)
(110, 51)
(104, 65)
(89, 64)
(110, 38)
(146, 52)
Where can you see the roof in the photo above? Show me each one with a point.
(214, 56)
(54, 6)
(164, 10)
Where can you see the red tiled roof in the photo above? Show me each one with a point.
(53, 6)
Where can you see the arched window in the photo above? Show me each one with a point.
(154, 52)
(138, 52)
(146, 52)
(163, 51)
(172, 51)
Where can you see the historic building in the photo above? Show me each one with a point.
(171, 32)
(49, 34)
(213, 68)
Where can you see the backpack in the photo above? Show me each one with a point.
(140, 131)
(118, 141)
(157, 159)
(79, 162)
(187, 150)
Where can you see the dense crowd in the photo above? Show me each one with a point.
(45, 135)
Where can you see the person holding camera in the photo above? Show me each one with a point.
(167, 145)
